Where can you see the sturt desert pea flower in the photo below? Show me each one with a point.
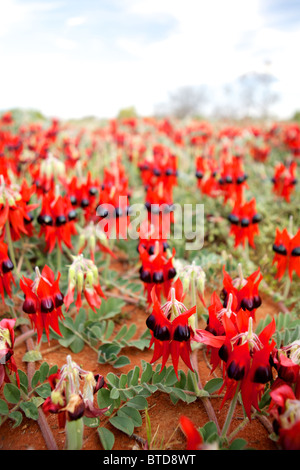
(247, 357)
(287, 253)
(206, 173)
(43, 301)
(83, 193)
(286, 361)
(285, 410)
(157, 271)
(72, 397)
(244, 220)
(6, 276)
(160, 208)
(84, 278)
(244, 290)
(215, 326)
(57, 219)
(93, 237)
(232, 180)
(171, 333)
(15, 208)
(149, 234)
(7, 362)
(284, 180)
(291, 138)
(159, 168)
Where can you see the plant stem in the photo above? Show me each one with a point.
(10, 244)
(230, 412)
(58, 259)
(287, 287)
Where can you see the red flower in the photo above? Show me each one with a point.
(286, 361)
(244, 221)
(287, 253)
(15, 208)
(247, 359)
(285, 409)
(84, 194)
(73, 389)
(57, 220)
(6, 267)
(244, 290)
(284, 180)
(157, 271)
(7, 362)
(170, 330)
(43, 301)
(194, 438)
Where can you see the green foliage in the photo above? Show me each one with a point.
(26, 400)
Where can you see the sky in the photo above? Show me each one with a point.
(71, 58)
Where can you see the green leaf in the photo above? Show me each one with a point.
(44, 370)
(77, 345)
(107, 438)
(3, 408)
(213, 385)
(32, 356)
(238, 444)
(23, 380)
(103, 398)
(123, 424)
(121, 362)
(138, 402)
(147, 372)
(114, 393)
(131, 413)
(35, 379)
(44, 390)
(11, 393)
(30, 410)
(17, 417)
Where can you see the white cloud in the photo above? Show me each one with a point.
(75, 21)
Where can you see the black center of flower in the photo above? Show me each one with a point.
(181, 333)
(245, 222)
(73, 200)
(158, 277)
(263, 374)
(171, 273)
(47, 305)
(58, 300)
(7, 266)
(235, 371)
(84, 202)
(60, 220)
(199, 175)
(280, 249)
(296, 251)
(72, 215)
(256, 219)
(145, 275)
(29, 306)
(233, 219)
(93, 191)
(161, 332)
(151, 322)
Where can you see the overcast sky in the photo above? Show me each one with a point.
(74, 58)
